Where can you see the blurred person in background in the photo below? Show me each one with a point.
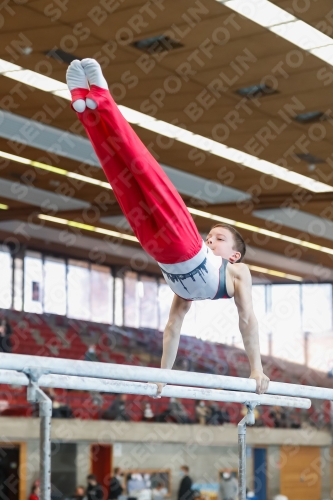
(136, 486)
(159, 492)
(91, 354)
(196, 495)
(79, 494)
(146, 493)
(148, 415)
(250, 495)
(217, 415)
(35, 492)
(116, 484)
(185, 365)
(117, 409)
(55, 493)
(228, 487)
(176, 411)
(294, 421)
(185, 486)
(59, 408)
(94, 489)
(279, 417)
(202, 412)
(5, 336)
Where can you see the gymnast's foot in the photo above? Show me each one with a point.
(76, 79)
(95, 76)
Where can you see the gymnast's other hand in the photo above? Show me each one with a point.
(160, 386)
(261, 379)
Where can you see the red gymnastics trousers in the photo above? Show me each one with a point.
(148, 199)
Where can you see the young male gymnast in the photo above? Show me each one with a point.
(194, 269)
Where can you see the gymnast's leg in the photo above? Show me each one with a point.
(153, 207)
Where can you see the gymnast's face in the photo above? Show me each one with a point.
(221, 241)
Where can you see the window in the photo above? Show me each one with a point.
(6, 279)
(317, 307)
(165, 298)
(119, 302)
(33, 282)
(286, 323)
(212, 320)
(148, 302)
(78, 289)
(101, 294)
(190, 324)
(55, 286)
(18, 284)
(131, 299)
(259, 307)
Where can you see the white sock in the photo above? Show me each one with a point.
(95, 76)
(76, 78)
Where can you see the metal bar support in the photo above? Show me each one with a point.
(249, 419)
(36, 395)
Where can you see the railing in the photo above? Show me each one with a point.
(35, 372)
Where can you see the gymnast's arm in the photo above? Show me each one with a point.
(248, 325)
(171, 334)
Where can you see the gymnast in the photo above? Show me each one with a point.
(194, 269)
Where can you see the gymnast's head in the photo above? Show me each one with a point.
(227, 242)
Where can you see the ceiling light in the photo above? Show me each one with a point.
(274, 273)
(178, 133)
(285, 25)
(31, 78)
(287, 175)
(54, 170)
(297, 219)
(3, 207)
(133, 116)
(193, 211)
(116, 234)
(255, 229)
(260, 11)
(161, 127)
(197, 141)
(302, 34)
(64, 94)
(87, 227)
(91, 180)
(305, 182)
(231, 154)
(36, 80)
(6, 66)
(324, 53)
